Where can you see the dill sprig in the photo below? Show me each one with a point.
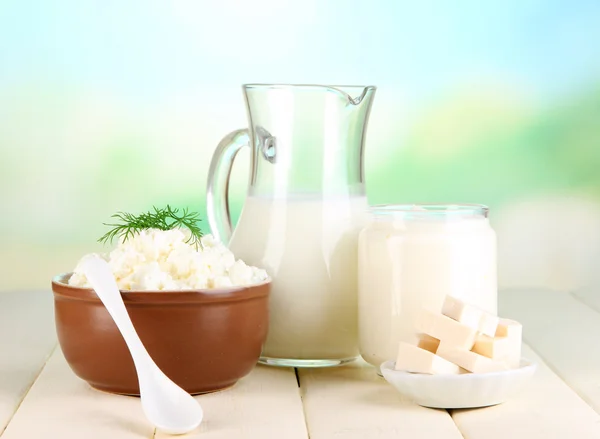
(162, 219)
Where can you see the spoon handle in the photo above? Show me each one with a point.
(100, 277)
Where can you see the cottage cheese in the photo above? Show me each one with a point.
(162, 260)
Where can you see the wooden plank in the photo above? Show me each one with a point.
(60, 405)
(546, 409)
(590, 296)
(27, 337)
(266, 404)
(352, 402)
(564, 332)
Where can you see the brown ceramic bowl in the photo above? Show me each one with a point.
(204, 340)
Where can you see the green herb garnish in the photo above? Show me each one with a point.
(162, 219)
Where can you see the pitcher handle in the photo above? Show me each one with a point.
(217, 187)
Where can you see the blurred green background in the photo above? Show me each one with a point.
(113, 105)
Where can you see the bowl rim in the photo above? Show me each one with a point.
(63, 291)
(527, 366)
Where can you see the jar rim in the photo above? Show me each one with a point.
(431, 209)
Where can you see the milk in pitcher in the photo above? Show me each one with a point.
(309, 247)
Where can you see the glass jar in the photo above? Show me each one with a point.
(409, 258)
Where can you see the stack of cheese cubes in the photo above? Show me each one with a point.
(461, 339)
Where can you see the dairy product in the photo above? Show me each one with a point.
(414, 359)
(460, 344)
(162, 260)
(470, 315)
(462, 312)
(469, 360)
(445, 329)
(509, 328)
(428, 343)
(308, 245)
(488, 324)
(496, 348)
(514, 332)
(410, 259)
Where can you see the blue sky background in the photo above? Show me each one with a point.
(147, 49)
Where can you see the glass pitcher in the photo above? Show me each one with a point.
(305, 205)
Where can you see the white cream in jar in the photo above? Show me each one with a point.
(409, 258)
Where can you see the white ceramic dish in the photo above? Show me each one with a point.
(467, 390)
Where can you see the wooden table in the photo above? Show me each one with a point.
(41, 398)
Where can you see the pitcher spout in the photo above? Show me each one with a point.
(355, 95)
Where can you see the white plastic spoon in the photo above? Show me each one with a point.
(166, 405)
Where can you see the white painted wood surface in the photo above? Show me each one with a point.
(565, 332)
(264, 405)
(546, 409)
(351, 402)
(27, 337)
(590, 296)
(60, 405)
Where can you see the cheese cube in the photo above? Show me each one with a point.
(446, 330)
(470, 315)
(496, 348)
(513, 331)
(509, 328)
(469, 360)
(488, 324)
(414, 359)
(427, 342)
(462, 312)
